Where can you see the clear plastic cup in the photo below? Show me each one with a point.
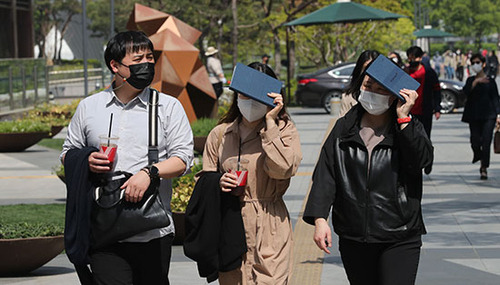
(108, 146)
(241, 171)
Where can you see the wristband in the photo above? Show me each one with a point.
(145, 169)
(404, 120)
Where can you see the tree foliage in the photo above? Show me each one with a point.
(48, 14)
(330, 43)
(466, 18)
(259, 27)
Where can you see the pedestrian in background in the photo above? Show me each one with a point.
(396, 58)
(449, 64)
(481, 112)
(492, 65)
(214, 69)
(369, 175)
(461, 62)
(438, 62)
(469, 55)
(351, 93)
(428, 102)
(267, 140)
(265, 58)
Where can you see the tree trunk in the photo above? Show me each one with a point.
(63, 32)
(55, 43)
(277, 53)
(41, 49)
(220, 26)
(291, 63)
(234, 10)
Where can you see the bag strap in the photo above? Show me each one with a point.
(153, 127)
(220, 135)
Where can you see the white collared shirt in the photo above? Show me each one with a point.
(130, 124)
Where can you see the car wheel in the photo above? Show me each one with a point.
(327, 105)
(448, 101)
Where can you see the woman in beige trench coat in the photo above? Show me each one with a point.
(268, 141)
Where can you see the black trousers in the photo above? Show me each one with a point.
(134, 263)
(218, 89)
(381, 263)
(481, 135)
(460, 73)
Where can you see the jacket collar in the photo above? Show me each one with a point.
(351, 128)
(233, 128)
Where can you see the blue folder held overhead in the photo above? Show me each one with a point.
(391, 76)
(254, 84)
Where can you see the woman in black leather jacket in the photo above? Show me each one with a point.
(370, 174)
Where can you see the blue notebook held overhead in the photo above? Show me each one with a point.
(391, 76)
(254, 84)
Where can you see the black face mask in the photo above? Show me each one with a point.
(414, 63)
(141, 74)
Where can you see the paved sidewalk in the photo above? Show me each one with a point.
(462, 213)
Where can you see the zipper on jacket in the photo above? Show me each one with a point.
(367, 191)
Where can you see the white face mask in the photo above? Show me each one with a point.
(477, 67)
(374, 103)
(251, 109)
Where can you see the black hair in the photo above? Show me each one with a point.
(123, 43)
(234, 112)
(400, 61)
(358, 72)
(478, 56)
(415, 51)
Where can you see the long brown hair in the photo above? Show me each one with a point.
(234, 113)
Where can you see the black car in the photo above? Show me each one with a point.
(316, 89)
(452, 96)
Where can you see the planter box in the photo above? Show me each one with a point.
(10, 142)
(199, 143)
(21, 256)
(180, 229)
(62, 178)
(54, 130)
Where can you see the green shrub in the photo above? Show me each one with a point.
(58, 170)
(182, 189)
(48, 118)
(203, 126)
(223, 109)
(23, 126)
(31, 220)
(57, 109)
(181, 194)
(53, 114)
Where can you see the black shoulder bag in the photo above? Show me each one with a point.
(114, 219)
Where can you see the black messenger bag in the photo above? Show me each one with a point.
(114, 219)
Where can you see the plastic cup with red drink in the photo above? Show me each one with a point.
(108, 146)
(240, 169)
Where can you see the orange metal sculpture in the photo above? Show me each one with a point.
(179, 71)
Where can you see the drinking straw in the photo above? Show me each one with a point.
(110, 124)
(239, 156)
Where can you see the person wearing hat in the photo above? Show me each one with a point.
(214, 68)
